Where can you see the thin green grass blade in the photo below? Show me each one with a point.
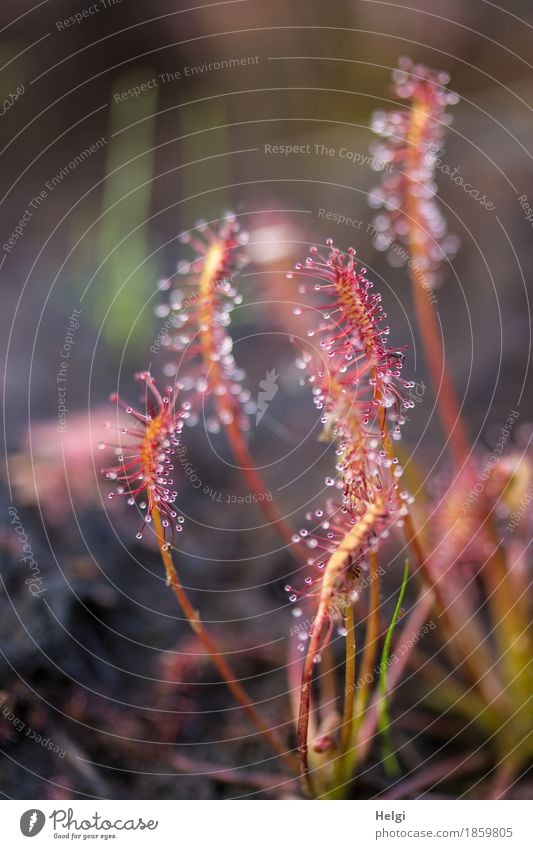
(390, 762)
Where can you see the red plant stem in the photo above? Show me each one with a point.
(226, 775)
(217, 659)
(509, 616)
(448, 406)
(435, 774)
(503, 780)
(334, 567)
(445, 692)
(348, 759)
(305, 698)
(465, 635)
(226, 405)
(295, 662)
(327, 686)
(349, 680)
(342, 766)
(371, 637)
(447, 403)
(255, 482)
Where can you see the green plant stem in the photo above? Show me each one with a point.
(384, 719)
(217, 659)
(416, 621)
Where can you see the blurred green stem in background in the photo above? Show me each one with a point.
(204, 133)
(15, 72)
(127, 279)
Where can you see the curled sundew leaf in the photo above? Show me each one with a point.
(199, 311)
(409, 224)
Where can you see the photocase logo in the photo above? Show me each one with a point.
(32, 822)
(269, 388)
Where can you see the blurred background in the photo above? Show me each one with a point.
(123, 124)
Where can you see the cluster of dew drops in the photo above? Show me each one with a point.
(179, 311)
(159, 483)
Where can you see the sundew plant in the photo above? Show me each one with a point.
(443, 546)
